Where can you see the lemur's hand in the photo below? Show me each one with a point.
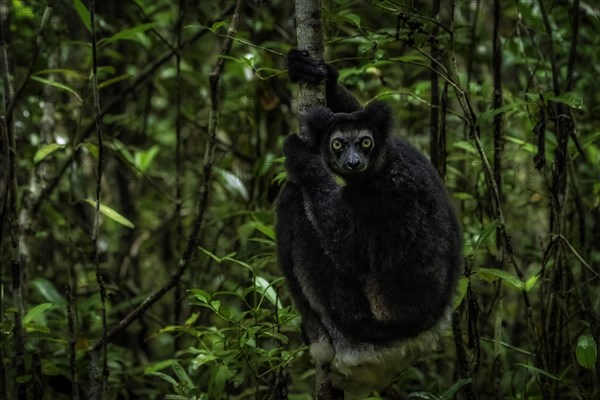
(303, 68)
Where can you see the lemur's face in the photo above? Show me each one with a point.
(349, 150)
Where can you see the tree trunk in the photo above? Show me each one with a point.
(309, 32)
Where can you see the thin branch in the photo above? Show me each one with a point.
(177, 309)
(568, 245)
(96, 229)
(250, 44)
(434, 112)
(72, 324)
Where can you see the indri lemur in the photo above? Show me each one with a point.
(373, 264)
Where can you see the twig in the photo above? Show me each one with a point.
(96, 230)
(192, 242)
(5, 183)
(250, 44)
(435, 150)
(566, 242)
(72, 320)
(498, 149)
(177, 309)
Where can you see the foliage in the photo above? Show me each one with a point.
(526, 324)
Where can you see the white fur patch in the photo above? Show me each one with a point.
(360, 368)
(322, 351)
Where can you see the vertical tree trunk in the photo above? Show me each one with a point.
(309, 32)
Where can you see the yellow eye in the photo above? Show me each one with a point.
(366, 143)
(336, 144)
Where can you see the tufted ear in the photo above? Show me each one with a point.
(379, 114)
(315, 123)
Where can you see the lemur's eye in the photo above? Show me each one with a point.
(336, 144)
(366, 143)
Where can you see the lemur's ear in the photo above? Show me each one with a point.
(379, 115)
(315, 123)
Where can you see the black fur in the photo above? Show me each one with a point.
(376, 260)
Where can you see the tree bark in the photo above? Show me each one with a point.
(309, 33)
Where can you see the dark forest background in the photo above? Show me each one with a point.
(140, 149)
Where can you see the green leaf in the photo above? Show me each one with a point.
(48, 291)
(279, 178)
(243, 264)
(216, 384)
(84, 14)
(486, 233)
(462, 196)
(144, 158)
(491, 274)
(525, 145)
(571, 99)
(112, 214)
(191, 319)
(212, 255)
(49, 368)
(267, 230)
(461, 291)
(66, 72)
(249, 337)
(531, 282)
(122, 150)
(268, 291)
(32, 327)
(127, 34)
(23, 378)
(58, 85)
(217, 25)
(489, 114)
(158, 366)
(353, 18)
(452, 390)
(201, 295)
(164, 377)
(182, 375)
(45, 151)
(276, 335)
(202, 359)
(35, 311)
(466, 146)
(111, 81)
(410, 59)
(537, 371)
(92, 148)
(586, 351)
(232, 183)
(215, 305)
